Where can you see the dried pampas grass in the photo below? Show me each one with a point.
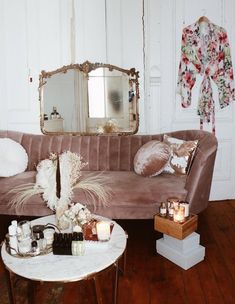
(23, 193)
(96, 186)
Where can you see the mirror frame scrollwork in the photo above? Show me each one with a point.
(86, 68)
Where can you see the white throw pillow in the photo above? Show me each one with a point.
(13, 158)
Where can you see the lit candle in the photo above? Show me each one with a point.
(186, 208)
(179, 214)
(103, 230)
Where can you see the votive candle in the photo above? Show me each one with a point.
(103, 230)
(186, 208)
(179, 214)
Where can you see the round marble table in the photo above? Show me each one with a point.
(60, 268)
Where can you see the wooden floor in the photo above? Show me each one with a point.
(151, 279)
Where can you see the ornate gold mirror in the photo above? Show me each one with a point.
(89, 99)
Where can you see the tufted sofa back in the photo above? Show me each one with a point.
(103, 153)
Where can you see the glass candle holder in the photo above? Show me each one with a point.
(49, 235)
(103, 230)
(179, 215)
(173, 200)
(186, 208)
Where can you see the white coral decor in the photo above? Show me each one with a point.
(46, 181)
(71, 165)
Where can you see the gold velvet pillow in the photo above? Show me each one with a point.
(152, 158)
(182, 153)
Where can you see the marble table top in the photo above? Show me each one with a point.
(59, 268)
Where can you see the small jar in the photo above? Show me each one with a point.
(24, 237)
(24, 244)
(162, 209)
(78, 245)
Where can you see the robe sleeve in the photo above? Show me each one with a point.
(224, 75)
(187, 71)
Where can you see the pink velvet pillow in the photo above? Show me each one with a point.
(152, 158)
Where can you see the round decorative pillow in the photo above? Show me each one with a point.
(13, 158)
(152, 158)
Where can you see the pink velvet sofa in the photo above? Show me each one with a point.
(133, 196)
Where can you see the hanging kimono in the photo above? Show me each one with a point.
(205, 50)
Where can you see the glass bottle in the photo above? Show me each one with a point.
(171, 210)
(162, 209)
(13, 239)
(42, 241)
(35, 247)
(54, 113)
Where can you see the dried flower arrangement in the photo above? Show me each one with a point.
(56, 179)
(110, 126)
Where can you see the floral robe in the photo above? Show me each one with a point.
(206, 53)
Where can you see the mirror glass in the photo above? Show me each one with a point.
(89, 99)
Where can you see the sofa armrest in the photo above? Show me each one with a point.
(198, 182)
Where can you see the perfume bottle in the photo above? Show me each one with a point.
(54, 113)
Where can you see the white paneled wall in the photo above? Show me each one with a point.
(90, 30)
(35, 36)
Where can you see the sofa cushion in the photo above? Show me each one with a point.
(182, 153)
(133, 196)
(13, 157)
(151, 158)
